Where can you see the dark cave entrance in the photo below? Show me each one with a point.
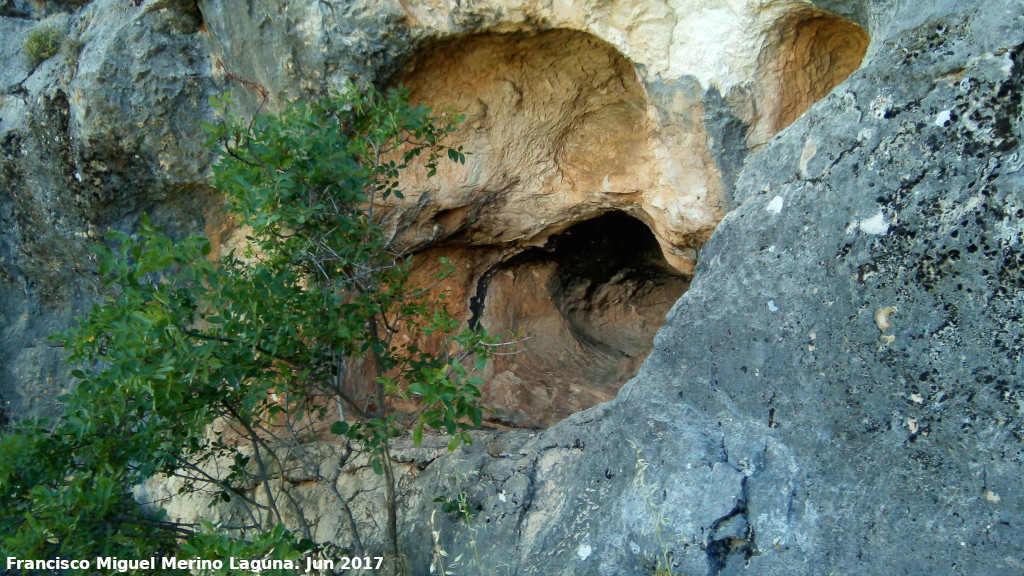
(549, 229)
(590, 300)
(605, 266)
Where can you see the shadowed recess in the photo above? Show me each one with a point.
(570, 218)
(591, 301)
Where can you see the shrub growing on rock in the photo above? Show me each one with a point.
(260, 344)
(42, 43)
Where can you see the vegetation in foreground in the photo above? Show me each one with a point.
(228, 375)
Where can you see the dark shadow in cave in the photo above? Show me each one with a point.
(591, 300)
(609, 246)
(606, 264)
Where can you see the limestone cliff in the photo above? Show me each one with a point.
(837, 391)
(574, 113)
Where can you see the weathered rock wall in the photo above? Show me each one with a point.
(573, 111)
(105, 129)
(837, 392)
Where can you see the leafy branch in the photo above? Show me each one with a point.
(285, 359)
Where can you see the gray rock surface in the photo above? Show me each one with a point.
(839, 391)
(103, 130)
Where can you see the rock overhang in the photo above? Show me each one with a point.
(562, 127)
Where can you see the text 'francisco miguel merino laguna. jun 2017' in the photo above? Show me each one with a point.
(254, 565)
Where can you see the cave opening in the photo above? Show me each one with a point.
(588, 193)
(590, 300)
(605, 266)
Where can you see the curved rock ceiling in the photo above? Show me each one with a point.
(587, 192)
(806, 54)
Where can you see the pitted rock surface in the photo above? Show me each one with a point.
(838, 390)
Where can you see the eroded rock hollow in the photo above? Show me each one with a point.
(589, 301)
(578, 218)
(808, 52)
(562, 148)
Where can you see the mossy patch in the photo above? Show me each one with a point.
(42, 43)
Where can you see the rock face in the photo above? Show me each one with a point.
(562, 133)
(837, 391)
(90, 138)
(573, 112)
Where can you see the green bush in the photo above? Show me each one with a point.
(261, 342)
(42, 43)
